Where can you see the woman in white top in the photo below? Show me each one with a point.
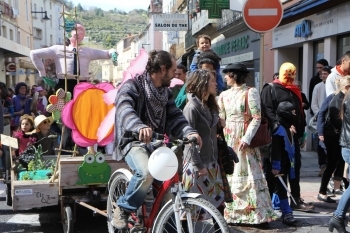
(319, 93)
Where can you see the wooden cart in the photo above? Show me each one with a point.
(64, 191)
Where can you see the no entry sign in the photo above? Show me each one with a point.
(262, 15)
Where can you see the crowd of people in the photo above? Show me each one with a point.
(201, 107)
(256, 187)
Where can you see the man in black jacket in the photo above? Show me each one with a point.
(320, 64)
(280, 90)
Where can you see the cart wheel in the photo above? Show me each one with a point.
(8, 195)
(68, 222)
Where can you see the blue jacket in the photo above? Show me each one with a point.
(219, 80)
(321, 118)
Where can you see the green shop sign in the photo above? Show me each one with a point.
(232, 46)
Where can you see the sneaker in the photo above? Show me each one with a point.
(302, 206)
(338, 192)
(120, 218)
(330, 193)
(288, 219)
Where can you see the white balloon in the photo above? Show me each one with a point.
(163, 164)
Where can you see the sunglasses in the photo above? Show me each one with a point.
(46, 122)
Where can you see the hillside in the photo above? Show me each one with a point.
(107, 28)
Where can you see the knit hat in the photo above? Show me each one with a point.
(323, 62)
(18, 86)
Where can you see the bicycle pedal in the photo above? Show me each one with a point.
(138, 229)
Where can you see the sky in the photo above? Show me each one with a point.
(126, 5)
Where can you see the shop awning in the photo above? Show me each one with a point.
(301, 7)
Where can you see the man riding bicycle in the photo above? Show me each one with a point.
(144, 105)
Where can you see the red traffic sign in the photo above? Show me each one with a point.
(262, 15)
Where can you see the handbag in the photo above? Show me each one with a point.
(262, 136)
(312, 126)
(227, 156)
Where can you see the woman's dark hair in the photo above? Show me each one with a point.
(198, 84)
(238, 76)
(208, 57)
(3, 89)
(327, 69)
(18, 86)
(11, 90)
(157, 59)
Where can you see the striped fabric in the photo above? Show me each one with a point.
(131, 115)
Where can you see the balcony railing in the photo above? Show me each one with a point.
(228, 17)
(6, 9)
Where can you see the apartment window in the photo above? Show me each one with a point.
(28, 42)
(50, 6)
(18, 37)
(27, 10)
(38, 33)
(51, 40)
(343, 45)
(3, 30)
(11, 34)
(51, 21)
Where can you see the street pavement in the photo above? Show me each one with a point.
(316, 222)
(48, 219)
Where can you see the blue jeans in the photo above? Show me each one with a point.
(141, 181)
(344, 202)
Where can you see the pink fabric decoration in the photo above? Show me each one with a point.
(137, 66)
(176, 81)
(68, 120)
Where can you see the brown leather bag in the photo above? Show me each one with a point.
(262, 136)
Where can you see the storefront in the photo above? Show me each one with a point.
(303, 42)
(242, 47)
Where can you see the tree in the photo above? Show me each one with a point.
(80, 8)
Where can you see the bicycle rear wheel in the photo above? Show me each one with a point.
(117, 189)
(205, 218)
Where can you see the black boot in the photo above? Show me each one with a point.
(338, 224)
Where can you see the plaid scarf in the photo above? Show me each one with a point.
(156, 99)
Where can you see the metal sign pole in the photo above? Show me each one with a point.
(261, 68)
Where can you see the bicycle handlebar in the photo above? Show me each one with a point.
(158, 136)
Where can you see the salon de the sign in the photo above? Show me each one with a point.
(170, 22)
(232, 45)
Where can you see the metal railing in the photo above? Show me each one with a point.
(228, 17)
(6, 9)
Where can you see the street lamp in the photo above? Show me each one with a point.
(45, 16)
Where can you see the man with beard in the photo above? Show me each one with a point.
(144, 105)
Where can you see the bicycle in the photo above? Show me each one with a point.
(177, 215)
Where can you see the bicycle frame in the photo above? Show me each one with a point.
(162, 190)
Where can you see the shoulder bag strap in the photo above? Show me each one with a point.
(246, 106)
(273, 96)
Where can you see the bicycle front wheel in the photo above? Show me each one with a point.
(117, 189)
(198, 216)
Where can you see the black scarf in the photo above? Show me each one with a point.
(156, 99)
